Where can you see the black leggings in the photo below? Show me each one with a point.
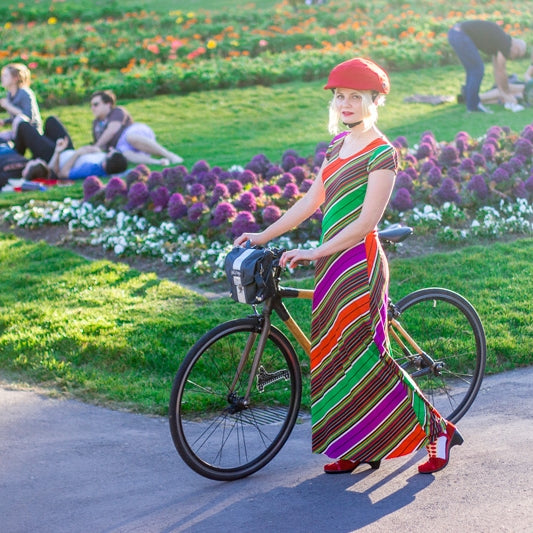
(43, 146)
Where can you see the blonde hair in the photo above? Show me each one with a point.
(370, 101)
(21, 73)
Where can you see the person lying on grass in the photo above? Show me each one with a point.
(54, 155)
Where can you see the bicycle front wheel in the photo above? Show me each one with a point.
(218, 431)
(450, 334)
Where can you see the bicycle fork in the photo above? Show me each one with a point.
(238, 403)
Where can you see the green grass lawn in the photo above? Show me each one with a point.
(109, 334)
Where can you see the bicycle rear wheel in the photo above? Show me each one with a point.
(233, 439)
(448, 329)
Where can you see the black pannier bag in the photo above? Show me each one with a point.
(249, 273)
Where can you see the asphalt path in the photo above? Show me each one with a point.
(66, 466)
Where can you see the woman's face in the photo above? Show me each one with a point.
(8, 80)
(349, 105)
(99, 108)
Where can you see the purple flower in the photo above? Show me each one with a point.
(115, 187)
(248, 177)
(208, 180)
(527, 132)
(478, 186)
(401, 141)
(224, 212)
(290, 191)
(494, 132)
(155, 179)
(173, 177)
(424, 150)
(244, 222)
(488, 151)
(257, 191)
(448, 192)
(467, 165)
(143, 170)
(529, 184)
(220, 191)
(449, 156)
(176, 206)
(273, 170)
(319, 158)
(411, 171)
(519, 189)
(402, 200)
(523, 147)
(288, 162)
(133, 176)
(259, 164)
(500, 174)
(271, 213)
(271, 190)
(197, 190)
(317, 215)
(196, 211)
(234, 187)
(479, 159)
(322, 146)
(299, 173)
(454, 174)
(306, 185)
(410, 159)
(247, 202)
(160, 197)
(404, 181)
(427, 166)
(200, 166)
(286, 178)
(137, 195)
(434, 176)
(91, 185)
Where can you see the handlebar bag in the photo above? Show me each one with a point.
(249, 273)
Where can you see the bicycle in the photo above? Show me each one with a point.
(244, 375)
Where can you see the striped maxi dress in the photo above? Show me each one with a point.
(364, 407)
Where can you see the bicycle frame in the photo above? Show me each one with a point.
(275, 304)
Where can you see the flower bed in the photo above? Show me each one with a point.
(76, 48)
(456, 191)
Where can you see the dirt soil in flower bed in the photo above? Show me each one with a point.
(60, 236)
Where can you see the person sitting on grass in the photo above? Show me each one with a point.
(54, 154)
(20, 101)
(113, 127)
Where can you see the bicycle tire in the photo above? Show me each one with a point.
(225, 445)
(447, 327)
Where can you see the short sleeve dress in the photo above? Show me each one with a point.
(364, 407)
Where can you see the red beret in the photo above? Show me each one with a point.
(359, 74)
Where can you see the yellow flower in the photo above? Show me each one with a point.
(84, 60)
(52, 20)
(211, 44)
(8, 25)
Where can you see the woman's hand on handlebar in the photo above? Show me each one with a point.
(256, 239)
(297, 256)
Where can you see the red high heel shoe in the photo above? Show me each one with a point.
(344, 466)
(438, 458)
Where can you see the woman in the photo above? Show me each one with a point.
(20, 101)
(113, 127)
(364, 406)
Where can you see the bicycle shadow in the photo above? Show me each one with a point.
(333, 503)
